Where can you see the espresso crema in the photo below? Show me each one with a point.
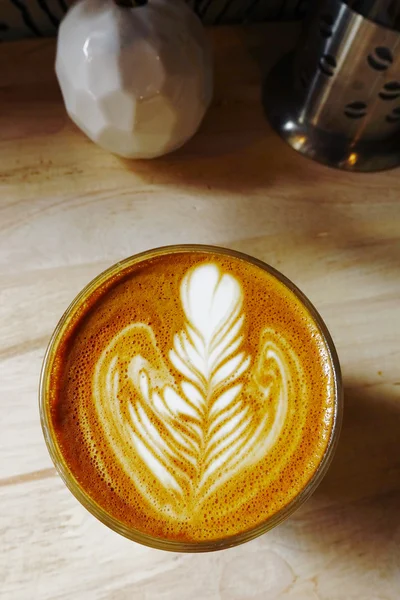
(192, 395)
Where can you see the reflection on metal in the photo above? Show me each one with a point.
(352, 160)
(336, 99)
(299, 141)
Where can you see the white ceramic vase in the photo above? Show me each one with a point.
(136, 80)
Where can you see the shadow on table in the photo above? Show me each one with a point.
(355, 512)
(235, 151)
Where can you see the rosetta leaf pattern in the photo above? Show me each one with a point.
(186, 418)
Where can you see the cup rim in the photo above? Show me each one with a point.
(100, 513)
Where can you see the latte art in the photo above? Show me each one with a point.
(196, 434)
(192, 396)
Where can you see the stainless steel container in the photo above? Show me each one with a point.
(336, 98)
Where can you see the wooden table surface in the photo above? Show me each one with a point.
(68, 210)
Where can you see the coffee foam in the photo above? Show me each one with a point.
(198, 414)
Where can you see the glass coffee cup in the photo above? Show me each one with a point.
(191, 398)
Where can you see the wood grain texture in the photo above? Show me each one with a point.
(68, 210)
